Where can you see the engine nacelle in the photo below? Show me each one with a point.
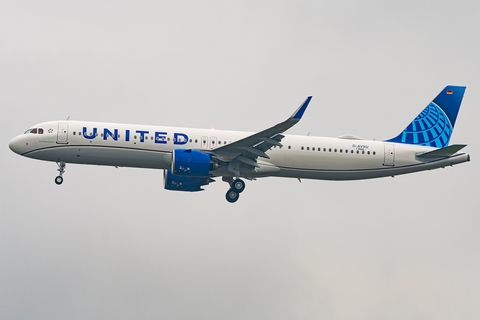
(180, 183)
(192, 163)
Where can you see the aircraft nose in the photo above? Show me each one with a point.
(14, 145)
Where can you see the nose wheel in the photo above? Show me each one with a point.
(61, 170)
(236, 187)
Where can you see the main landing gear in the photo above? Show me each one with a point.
(236, 187)
(61, 170)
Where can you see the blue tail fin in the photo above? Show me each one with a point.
(434, 125)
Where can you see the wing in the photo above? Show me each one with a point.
(247, 150)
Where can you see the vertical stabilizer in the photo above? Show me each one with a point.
(434, 125)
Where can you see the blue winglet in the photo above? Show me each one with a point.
(434, 125)
(301, 110)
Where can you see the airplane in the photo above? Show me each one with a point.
(192, 158)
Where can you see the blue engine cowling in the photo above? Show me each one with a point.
(180, 183)
(192, 163)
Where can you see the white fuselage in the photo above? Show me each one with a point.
(143, 146)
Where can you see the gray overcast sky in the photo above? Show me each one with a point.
(112, 243)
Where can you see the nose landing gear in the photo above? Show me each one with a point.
(236, 187)
(61, 170)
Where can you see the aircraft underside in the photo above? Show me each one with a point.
(138, 158)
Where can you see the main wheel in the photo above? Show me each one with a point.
(59, 180)
(238, 185)
(232, 196)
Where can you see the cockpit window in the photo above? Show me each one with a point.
(34, 130)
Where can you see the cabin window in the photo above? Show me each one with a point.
(196, 141)
(302, 148)
(351, 151)
(373, 152)
(135, 137)
(313, 149)
(357, 151)
(341, 150)
(74, 133)
(308, 148)
(368, 152)
(363, 151)
(335, 150)
(289, 147)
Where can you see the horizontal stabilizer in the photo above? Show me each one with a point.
(443, 152)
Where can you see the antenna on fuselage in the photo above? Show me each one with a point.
(68, 118)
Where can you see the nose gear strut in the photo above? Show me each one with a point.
(61, 170)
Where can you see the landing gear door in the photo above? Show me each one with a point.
(389, 155)
(62, 133)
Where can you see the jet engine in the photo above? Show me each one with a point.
(191, 163)
(182, 183)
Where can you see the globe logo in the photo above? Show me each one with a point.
(431, 128)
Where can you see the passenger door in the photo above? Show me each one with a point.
(62, 133)
(389, 155)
